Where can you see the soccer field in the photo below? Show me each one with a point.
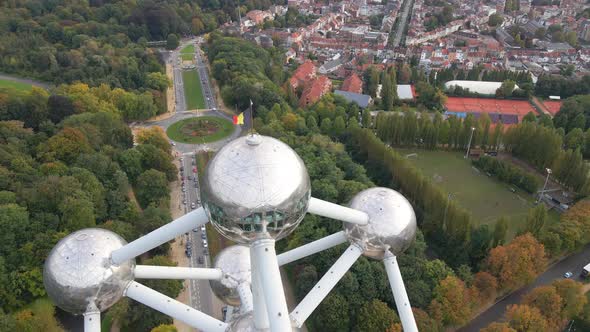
(193, 93)
(15, 85)
(486, 198)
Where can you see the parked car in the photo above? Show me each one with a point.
(203, 236)
(200, 260)
(568, 275)
(195, 230)
(205, 244)
(188, 253)
(193, 205)
(183, 189)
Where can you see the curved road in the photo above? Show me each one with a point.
(573, 263)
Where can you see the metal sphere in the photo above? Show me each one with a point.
(255, 186)
(392, 222)
(78, 272)
(234, 262)
(245, 323)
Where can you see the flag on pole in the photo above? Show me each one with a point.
(239, 119)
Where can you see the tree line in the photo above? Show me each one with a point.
(508, 173)
(61, 171)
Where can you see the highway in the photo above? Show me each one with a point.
(573, 263)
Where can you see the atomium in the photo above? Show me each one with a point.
(392, 222)
(234, 263)
(255, 185)
(245, 323)
(78, 272)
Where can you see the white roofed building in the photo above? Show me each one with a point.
(481, 87)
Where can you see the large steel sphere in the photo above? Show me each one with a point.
(392, 222)
(78, 271)
(234, 262)
(255, 185)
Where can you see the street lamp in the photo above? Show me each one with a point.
(545, 185)
(469, 144)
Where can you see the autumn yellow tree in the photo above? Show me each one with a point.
(524, 318)
(549, 303)
(498, 327)
(516, 263)
(154, 136)
(452, 299)
(486, 286)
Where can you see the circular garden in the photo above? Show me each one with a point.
(203, 129)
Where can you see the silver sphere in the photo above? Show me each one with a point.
(255, 186)
(78, 272)
(392, 222)
(234, 262)
(245, 323)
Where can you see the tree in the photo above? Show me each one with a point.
(486, 285)
(164, 328)
(500, 230)
(172, 42)
(332, 314)
(535, 220)
(529, 117)
(152, 187)
(549, 303)
(524, 318)
(66, 146)
(516, 263)
(157, 81)
(154, 136)
(375, 316)
(572, 294)
(339, 126)
(454, 301)
(495, 20)
(366, 118)
(326, 126)
(498, 327)
(505, 90)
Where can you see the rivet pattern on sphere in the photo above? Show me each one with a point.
(234, 262)
(245, 323)
(255, 185)
(78, 271)
(392, 222)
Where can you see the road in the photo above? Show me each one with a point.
(402, 22)
(573, 263)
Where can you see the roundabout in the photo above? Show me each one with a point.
(199, 130)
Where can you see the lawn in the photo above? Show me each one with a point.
(15, 85)
(203, 129)
(192, 90)
(188, 52)
(486, 198)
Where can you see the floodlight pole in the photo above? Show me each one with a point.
(317, 294)
(173, 308)
(335, 211)
(159, 236)
(545, 185)
(173, 272)
(271, 284)
(312, 248)
(399, 292)
(469, 144)
(92, 319)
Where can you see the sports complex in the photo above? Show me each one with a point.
(500, 110)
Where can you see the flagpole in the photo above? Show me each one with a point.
(251, 119)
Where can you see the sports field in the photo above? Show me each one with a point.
(15, 85)
(192, 90)
(486, 198)
(188, 52)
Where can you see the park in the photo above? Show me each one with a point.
(199, 130)
(188, 52)
(486, 198)
(15, 85)
(192, 90)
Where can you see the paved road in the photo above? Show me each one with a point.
(573, 263)
(402, 22)
(24, 80)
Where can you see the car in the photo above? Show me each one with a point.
(183, 189)
(568, 275)
(190, 177)
(172, 143)
(195, 230)
(189, 244)
(200, 260)
(202, 228)
(184, 202)
(188, 253)
(205, 244)
(196, 185)
(193, 205)
(203, 236)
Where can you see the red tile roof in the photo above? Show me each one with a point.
(303, 74)
(319, 87)
(486, 105)
(352, 83)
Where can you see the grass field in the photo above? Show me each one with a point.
(192, 90)
(15, 85)
(188, 52)
(486, 198)
(181, 131)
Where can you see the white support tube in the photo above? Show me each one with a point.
(245, 297)
(173, 272)
(161, 235)
(315, 296)
(271, 285)
(400, 296)
(312, 248)
(173, 308)
(335, 211)
(92, 321)
(260, 315)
